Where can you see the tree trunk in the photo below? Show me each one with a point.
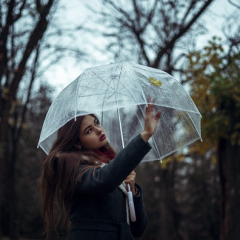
(7, 146)
(12, 73)
(4, 154)
(170, 217)
(10, 192)
(164, 208)
(229, 170)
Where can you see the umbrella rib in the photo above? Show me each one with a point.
(161, 105)
(89, 95)
(120, 125)
(106, 91)
(132, 94)
(91, 88)
(154, 142)
(75, 117)
(134, 90)
(124, 87)
(86, 88)
(113, 94)
(101, 79)
(105, 95)
(164, 129)
(114, 90)
(118, 109)
(192, 122)
(128, 85)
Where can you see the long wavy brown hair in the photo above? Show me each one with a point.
(60, 173)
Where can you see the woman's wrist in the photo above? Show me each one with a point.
(145, 136)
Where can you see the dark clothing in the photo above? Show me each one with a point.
(98, 209)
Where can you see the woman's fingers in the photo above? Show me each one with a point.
(149, 117)
(149, 100)
(158, 115)
(150, 120)
(131, 181)
(150, 107)
(132, 186)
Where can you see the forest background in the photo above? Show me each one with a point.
(45, 44)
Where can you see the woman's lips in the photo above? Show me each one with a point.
(102, 137)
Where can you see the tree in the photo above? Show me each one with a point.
(214, 76)
(149, 31)
(29, 163)
(198, 195)
(25, 40)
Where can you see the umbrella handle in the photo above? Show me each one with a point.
(131, 204)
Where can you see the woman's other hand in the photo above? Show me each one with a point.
(150, 121)
(131, 181)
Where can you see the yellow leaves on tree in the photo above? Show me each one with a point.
(215, 88)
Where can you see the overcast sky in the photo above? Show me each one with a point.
(75, 12)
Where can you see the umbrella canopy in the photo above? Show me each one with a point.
(117, 93)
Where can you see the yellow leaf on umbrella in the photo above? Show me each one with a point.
(155, 82)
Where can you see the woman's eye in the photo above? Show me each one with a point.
(97, 123)
(89, 131)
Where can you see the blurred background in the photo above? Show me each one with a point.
(45, 44)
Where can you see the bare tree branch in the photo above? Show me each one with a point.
(182, 31)
(234, 4)
(36, 35)
(38, 6)
(33, 77)
(20, 11)
(3, 39)
(191, 5)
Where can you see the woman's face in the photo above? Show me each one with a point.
(92, 135)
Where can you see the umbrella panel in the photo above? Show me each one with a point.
(176, 129)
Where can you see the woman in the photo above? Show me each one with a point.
(85, 176)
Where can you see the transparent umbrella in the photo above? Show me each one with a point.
(117, 93)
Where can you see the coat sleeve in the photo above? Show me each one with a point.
(138, 227)
(108, 178)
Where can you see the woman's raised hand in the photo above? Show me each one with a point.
(150, 121)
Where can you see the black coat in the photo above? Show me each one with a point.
(98, 209)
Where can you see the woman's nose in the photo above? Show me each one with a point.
(99, 130)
